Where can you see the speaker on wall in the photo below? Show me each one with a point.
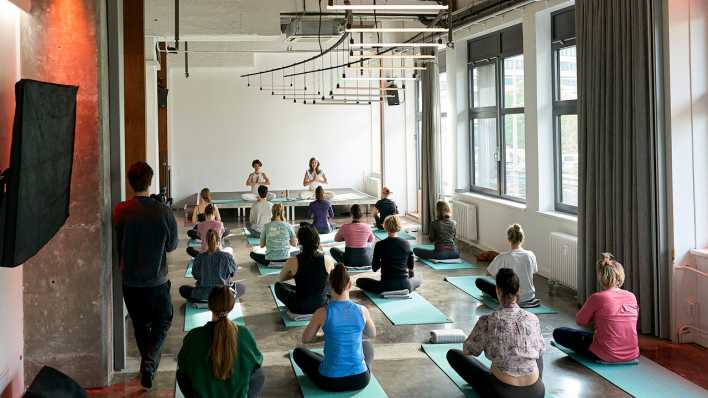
(392, 96)
(35, 200)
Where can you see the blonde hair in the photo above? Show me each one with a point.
(224, 340)
(442, 210)
(515, 234)
(610, 272)
(277, 212)
(392, 224)
(212, 240)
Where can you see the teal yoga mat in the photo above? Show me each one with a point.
(196, 317)
(414, 311)
(194, 243)
(309, 390)
(645, 379)
(444, 266)
(466, 284)
(227, 201)
(178, 392)
(380, 234)
(289, 323)
(263, 270)
(188, 272)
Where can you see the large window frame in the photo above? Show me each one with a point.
(563, 37)
(495, 54)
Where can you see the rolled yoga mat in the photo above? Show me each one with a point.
(188, 272)
(380, 234)
(309, 390)
(194, 243)
(444, 266)
(282, 309)
(196, 317)
(467, 285)
(643, 379)
(414, 311)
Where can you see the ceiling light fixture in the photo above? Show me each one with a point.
(389, 7)
(387, 67)
(378, 45)
(395, 30)
(377, 79)
(401, 56)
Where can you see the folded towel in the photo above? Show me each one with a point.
(447, 336)
(530, 303)
(299, 317)
(276, 264)
(200, 304)
(397, 294)
(364, 268)
(448, 261)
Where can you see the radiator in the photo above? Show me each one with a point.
(465, 214)
(373, 186)
(562, 266)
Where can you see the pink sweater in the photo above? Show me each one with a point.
(204, 227)
(615, 313)
(357, 235)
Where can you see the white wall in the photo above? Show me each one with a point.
(537, 215)
(11, 333)
(399, 130)
(217, 126)
(688, 137)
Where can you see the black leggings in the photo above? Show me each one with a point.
(186, 291)
(352, 257)
(378, 287)
(255, 385)
(486, 385)
(260, 258)
(430, 254)
(490, 288)
(575, 339)
(310, 362)
(287, 293)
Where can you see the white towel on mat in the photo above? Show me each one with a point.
(397, 294)
(447, 336)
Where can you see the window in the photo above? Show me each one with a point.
(497, 121)
(418, 132)
(565, 110)
(447, 142)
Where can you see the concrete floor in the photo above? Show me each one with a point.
(400, 366)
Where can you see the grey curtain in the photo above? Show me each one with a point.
(621, 202)
(431, 178)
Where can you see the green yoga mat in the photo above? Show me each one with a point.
(309, 390)
(188, 272)
(289, 323)
(380, 234)
(263, 270)
(444, 266)
(196, 317)
(466, 284)
(194, 243)
(645, 379)
(414, 311)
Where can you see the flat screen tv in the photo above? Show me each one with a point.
(36, 186)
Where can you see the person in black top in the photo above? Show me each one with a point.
(145, 231)
(310, 269)
(394, 257)
(384, 208)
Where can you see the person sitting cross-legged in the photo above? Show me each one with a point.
(277, 237)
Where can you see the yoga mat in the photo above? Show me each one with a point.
(253, 241)
(444, 266)
(282, 309)
(227, 201)
(188, 273)
(194, 243)
(380, 234)
(466, 284)
(196, 317)
(309, 390)
(414, 311)
(268, 270)
(645, 379)
(178, 392)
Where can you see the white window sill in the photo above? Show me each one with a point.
(490, 199)
(559, 215)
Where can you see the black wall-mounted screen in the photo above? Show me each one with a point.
(392, 95)
(36, 198)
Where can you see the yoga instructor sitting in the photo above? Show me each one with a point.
(358, 236)
(220, 359)
(511, 338)
(310, 270)
(614, 312)
(346, 364)
(394, 257)
(277, 237)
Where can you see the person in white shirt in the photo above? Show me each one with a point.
(315, 177)
(255, 180)
(260, 213)
(522, 261)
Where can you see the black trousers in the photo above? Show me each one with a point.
(193, 234)
(352, 257)
(255, 385)
(378, 287)
(575, 339)
(430, 254)
(287, 293)
(186, 291)
(150, 309)
(484, 382)
(310, 362)
(490, 288)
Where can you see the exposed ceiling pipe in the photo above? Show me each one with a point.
(176, 46)
(186, 59)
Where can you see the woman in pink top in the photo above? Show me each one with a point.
(357, 235)
(614, 313)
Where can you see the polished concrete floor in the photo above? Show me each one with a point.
(400, 366)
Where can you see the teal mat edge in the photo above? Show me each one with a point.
(375, 298)
(484, 299)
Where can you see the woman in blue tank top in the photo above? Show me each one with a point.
(347, 358)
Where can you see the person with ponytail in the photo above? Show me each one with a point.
(277, 237)
(213, 268)
(209, 223)
(442, 234)
(310, 270)
(522, 261)
(358, 237)
(613, 313)
(203, 200)
(346, 363)
(511, 339)
(220, 359)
